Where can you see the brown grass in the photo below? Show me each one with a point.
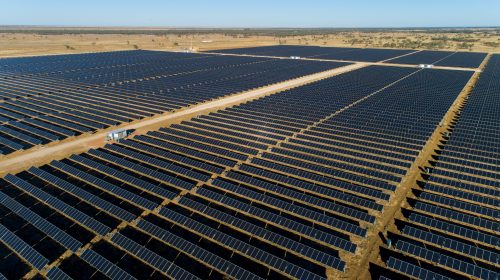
(26, 44)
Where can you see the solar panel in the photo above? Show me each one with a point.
(413, 270)
(465, 267)
(266, 234)
(336, 223)
(11, 144)
(87, 92)
(59, 205)
(105, 266)
(286, 185)
(33, 130)
(452, 244)
(43, 225)
(249, 250)
(200, 253)
(309, 199)
(24, 250)
(316, 52)
(148, 256)
(54, 273)
(82, 194)
(280, 221)
(160, 176)
(125, 177)
(136, 199)
(20, 135)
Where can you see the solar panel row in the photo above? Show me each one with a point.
(443, 58)
(67, 181)
(47, 101)
(440, 58)
(258, 190)
(285, 186)
(452, 226)
(334, 53)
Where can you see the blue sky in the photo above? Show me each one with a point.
(255, 13)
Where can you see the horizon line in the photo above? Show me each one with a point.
(239, 27)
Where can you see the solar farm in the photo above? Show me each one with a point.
(282, 162)
(440, 58)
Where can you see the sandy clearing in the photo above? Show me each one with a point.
(28, 42)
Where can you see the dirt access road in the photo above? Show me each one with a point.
(44, 154)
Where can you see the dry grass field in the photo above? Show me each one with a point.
(37, 42)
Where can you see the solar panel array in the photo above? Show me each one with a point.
(440, 58)
(45, 99)
(443, 58)
(334, 53)
(451, 228)
(285, 186)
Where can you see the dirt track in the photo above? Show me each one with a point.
(45, 154)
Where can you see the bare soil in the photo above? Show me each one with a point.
(29, 44)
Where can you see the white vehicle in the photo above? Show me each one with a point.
(425, 65)
(118, 134)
